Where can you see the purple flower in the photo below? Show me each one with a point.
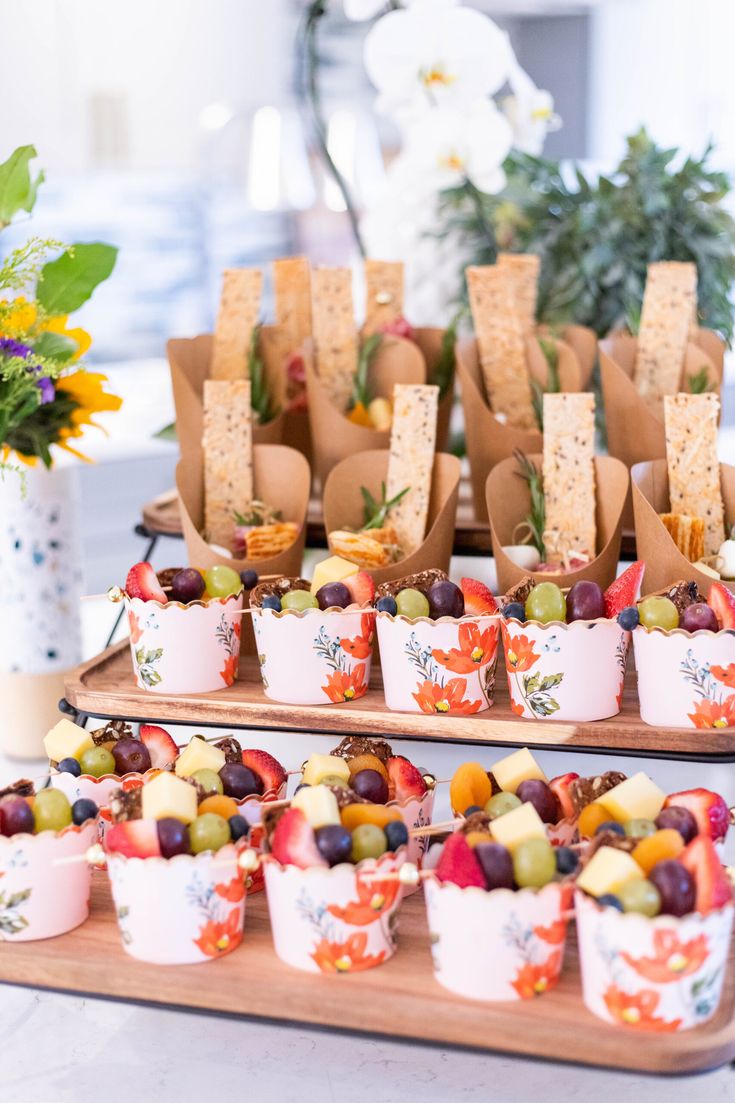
(15, 348)
(46, 388)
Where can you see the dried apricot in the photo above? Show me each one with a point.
(469, 786)
(221, 806)
(367, 762)
(590, 819)
(666, 843)
(353, 815)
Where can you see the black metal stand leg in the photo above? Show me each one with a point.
(74, 715)
(152, 541)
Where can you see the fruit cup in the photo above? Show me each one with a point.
(662, 974)
(685, 679)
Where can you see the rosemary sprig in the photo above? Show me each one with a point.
(260, 399)
(699, 382)
(360, 389)
(376, 512)
(443, 372)
(553, 384)
(536, 516)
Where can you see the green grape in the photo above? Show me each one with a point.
(210, 781)
(208, 832)
(299, 600)
(222, 581)
(502, 803)
(545, 603)
(640, 896)
(97, 761)
(412, 603)
(534, 863)
(638, 829)
(368, 841)
(335, 781)
(658, 612)
(51, 810)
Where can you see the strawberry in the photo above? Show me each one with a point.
(708, 808)
(161, 747)
(399, 327)
(722, 602)
(142, 582)
(560, 787)
(625, 590)
(703, 862)
(404, 780)
(267, 768)
(134, 839)
(293, 842)
(477, 597)
(459, 865)
(361, 587)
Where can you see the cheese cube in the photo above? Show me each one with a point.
(607, 871)
(320, 766)
(319, 805)
(168, 795)
(66, 740)
(636, 798)
(199, 755)
(333, 569)
(516, 826)
(515, 768)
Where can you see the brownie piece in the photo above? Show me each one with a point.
(476, 821)
(683, 594)
(113, 732)
(278, 586)
(354, 745)
(345, 796)
(166, 576)
(232, 749)
(585, 790)
(610, 838)
(423, 581)
(126, 804)
(21, 788)
(520, 591)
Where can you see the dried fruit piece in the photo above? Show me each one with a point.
(379, 814)
(469, 786)
(367, 762)
(657, 848)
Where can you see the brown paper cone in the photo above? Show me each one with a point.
(429, 340)
(508, 502)
(582, 340)
(489, 441)
(333, 436)
(343, 507)
(664, 562)
(297, 434)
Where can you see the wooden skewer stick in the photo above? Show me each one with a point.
(435, 828)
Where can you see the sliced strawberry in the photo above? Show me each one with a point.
(293, 842)
(142, 582)
(625, 590)
(459, 865)
(722, 602)
(560, 787)
(477, 597)
(708, 808)
(399, 327)
(161, 747)
(703, 862)
(134, 839)
(267, 768)
(404, 779)
(361, 587)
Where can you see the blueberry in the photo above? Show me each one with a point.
(472, 808)
(249, 579)
(610, 825)
(514, 611)
(387, 604)
(566, 860)
(272, 601)
(609, 900)
(83, 810)
(70, 766)
(396, 833)
(629, 618)
(239, 827)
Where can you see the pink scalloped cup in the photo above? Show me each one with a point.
(559, 671)
(442, 667)
(338, 920)
(685, 679)
(315, 657)
(498, 945)
(179, 911)
(192, 648)
(655, 975)
(44, 891)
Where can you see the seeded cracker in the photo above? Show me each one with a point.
(691, 457)
(383, 293)
(499, 332)
(569, 475)
(411, 460)
(237, 316)
(669, 301)
(292, 292)
(523, 269)
(227, 444)
(335, 334)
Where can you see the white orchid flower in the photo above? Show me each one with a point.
(530, 112)
(445, 147)
(359, 10)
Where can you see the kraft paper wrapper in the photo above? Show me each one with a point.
(665, 564)
(429, 340)
(582, 340)
(489, 441)
(333, 436)
(665, 662)
(297, 434)
(508, 502)
(343, 508)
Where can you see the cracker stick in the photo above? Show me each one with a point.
(335, 333)
(292, 292)
(691, 456)
(523, 270)
(411, 460)
(227, 444)
(237, 317)
(383, 293)
(669, 302)
(569, 476)
(499, 333)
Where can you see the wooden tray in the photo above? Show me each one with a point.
(105, 687)
(397, 999)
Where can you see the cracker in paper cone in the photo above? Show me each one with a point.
(691, 457)
(523, 270)
(687, 533)
(669, 303)
(228, 455)
(383, 293)
(569, 476)
(412, 446)
(335, 336)
(236, 319)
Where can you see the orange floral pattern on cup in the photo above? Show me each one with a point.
(216, 938)
(474, 648)
(361, 646)
(346, 957)
(345, 686)
(434, 698)
(374, 899)
(672, 959)
(637, 1009)
(533, 979)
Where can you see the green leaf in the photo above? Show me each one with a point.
(376, 513)
(368, 349)
(67, 282)
(17, 188)
(551, 680)
(55, 346)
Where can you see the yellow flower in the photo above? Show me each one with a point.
(17, 316)
(78, 335)
(87, 389)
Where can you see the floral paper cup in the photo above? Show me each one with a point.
(251, 809)
(498, 945)
(192, 648)
(178, 911)
(685, 679)
(440, 667)
(42, 894)
(338, 920)
(560, 671)
(655, 975)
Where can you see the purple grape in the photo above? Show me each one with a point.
(186, 585)
(445, 600)
(697, 617)
(371, 785)
(334, 843)
(585, 602)
(173, 837)
(16, 816)
(131, 756)
(333, 594)
(675, 885)
(496, 864)
(543, 799)
(680, 819)
(239, 781)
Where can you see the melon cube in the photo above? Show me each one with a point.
(607, 871)
(199, 755)
(333, 569)
(635, 798)
(515, 768)
(66, 740)
(516, 826)
(320, 766)
(168, 795)
(319, 805)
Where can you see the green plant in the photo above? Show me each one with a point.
(260, 398)
(376, 512)
(360, 388)
(535, 520)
